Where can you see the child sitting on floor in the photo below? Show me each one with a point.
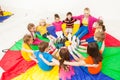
(45, 60)
(58, 26)
(98, 28)
(42, 29)
(66, 71)
(26, 49)
(69, 23)
(95, 57)
(31, 28)
(98, 37)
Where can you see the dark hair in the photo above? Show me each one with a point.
(30, 25)
(100, 35)
(103, 28)
(42, 46)
(65, 56)
(27, 38)
(56, 16)
(69, 13)
(100, 22)
(93, 51)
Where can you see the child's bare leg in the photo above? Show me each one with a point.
(55, 52)
(69, 36)
(83, 47)
(82, 41)
(78, 54)
(81, 50)
(52, 37)
(73, 55)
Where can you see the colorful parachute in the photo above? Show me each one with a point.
(16, 68)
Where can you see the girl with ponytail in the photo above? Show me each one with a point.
(65, 71)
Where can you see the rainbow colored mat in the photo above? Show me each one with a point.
(16, 68)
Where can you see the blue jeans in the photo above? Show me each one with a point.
(81, 32)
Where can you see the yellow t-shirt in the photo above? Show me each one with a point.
(42, 29)
(85, 22)
(26, 55)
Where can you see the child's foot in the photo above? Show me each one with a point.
(78, 41)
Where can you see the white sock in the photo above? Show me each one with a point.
(70, 50)
(69, 37)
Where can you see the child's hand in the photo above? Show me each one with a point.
(95, 65)
(100, 17)
(36, 61)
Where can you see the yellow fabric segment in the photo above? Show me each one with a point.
(75, 28)
(26, 55)
(35, 73)
(5, 13)
(85, 22)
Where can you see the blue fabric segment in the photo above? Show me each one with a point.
(2, 18)
(81, 73)
(51, 31)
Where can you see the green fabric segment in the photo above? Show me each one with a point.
(111, 62)
(42, 38)
(34, 47)
(17, 45)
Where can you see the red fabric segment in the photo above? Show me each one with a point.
(110, 41)
(14, 64)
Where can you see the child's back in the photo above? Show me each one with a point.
(41, 63)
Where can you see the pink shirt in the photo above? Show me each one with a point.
(91, 20)
(58, 25)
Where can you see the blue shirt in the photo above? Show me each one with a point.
(41, 63)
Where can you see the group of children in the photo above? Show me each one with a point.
(71, 45)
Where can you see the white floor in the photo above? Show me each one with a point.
(14, 28)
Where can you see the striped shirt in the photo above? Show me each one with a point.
(69, 23)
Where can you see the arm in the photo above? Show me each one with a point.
(34, 58)
(80, 56)
(71, 52)
(83, 47)
(31, 56)
(29, 51)
(103, 46)
(80, 63)
(54, 61)
(64, 21)
(95, 19)
(77, 17)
